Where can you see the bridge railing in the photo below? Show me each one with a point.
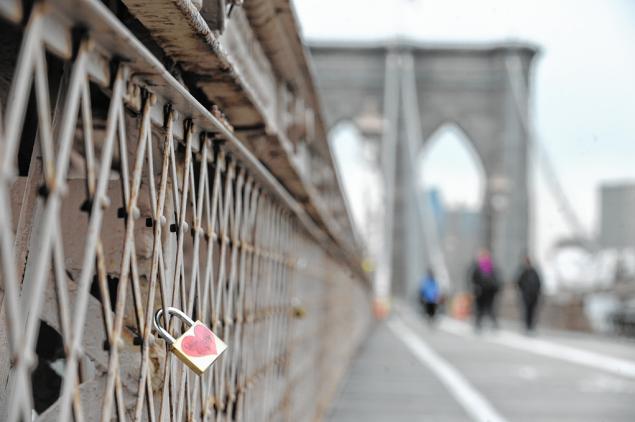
(121, 194)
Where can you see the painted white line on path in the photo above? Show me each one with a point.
(617, 366)
(472, 401)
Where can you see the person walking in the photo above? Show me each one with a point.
(485, 286)
(529, 286)
(429, 295)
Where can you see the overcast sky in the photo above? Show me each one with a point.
(584, 103)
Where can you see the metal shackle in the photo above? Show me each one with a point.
(169, 311)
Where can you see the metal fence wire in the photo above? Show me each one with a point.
(121, 194)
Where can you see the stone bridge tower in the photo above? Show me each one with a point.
(484, 90)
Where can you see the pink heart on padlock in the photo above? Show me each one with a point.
(202, 343)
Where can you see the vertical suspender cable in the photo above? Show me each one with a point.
(389, 149)
(430, 232)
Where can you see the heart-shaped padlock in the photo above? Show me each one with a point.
(198, 347)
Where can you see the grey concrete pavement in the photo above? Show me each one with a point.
(388, 382)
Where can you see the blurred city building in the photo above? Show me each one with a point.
(617, 211)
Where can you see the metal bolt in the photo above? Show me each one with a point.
(86, 206)
(44, 191)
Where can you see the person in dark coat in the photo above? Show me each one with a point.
(485, 286)
(529, 286)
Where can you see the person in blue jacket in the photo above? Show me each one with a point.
(429, 295)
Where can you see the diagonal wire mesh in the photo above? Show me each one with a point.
(119, 195)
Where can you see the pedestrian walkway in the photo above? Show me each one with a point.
(388, 383)
(408, 371)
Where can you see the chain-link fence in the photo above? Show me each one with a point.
(120, 194)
